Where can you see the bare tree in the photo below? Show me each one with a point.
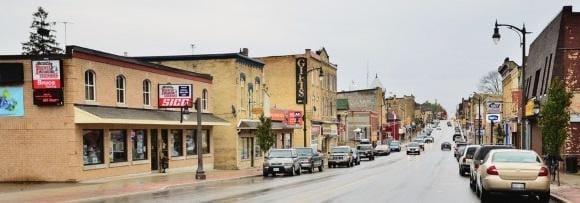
(490, 83)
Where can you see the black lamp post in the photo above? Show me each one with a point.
(321, 76)
(522, 34)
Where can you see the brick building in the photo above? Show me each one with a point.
(108, 123)
(511, 97)
(554, 54)
(402, 111)
(365, 114)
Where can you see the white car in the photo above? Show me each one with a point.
(466, 158)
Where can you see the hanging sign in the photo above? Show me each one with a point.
(175, 96)
(301, 85)
(48, 97)
(46, 74)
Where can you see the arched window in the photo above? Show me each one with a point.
(146, 92)
(90, 82)
(242, 92)
(121, 85)
(204, 100)
(258, 83)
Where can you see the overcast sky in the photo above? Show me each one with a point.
(433, 49)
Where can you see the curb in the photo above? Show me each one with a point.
(559, 198)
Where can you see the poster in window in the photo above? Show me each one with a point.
(46, 74)
(11, 101)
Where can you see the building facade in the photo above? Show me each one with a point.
(511, 97)
(88, 114)
(403, 109)
(365, 114)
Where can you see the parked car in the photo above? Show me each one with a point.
(395, 146)
(356, 156)
(366, 151)
(429, 139)
(421, 143)
(382, 150)
(365, 141)
(413, 148)
(457, 137)
(446, 146)
(438, 128)
(448, 124)
(460, 151)
(474, 169)
(341, 156)
(513, 171)
(310, 159)
(466, 158)
(456, 149)
(282, 161)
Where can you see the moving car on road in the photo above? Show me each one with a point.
(421, 143)
(513, 171)
(341, 156)
(474, 169)
(382, 150)
(310, 159)
(466, 158)
(282, 161)
(413, 148)
(446, 146)
(429, 139)
(395, 146)
(366, 151)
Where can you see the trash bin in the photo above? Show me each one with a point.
(572, 164)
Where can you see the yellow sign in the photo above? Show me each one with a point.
(530, 108)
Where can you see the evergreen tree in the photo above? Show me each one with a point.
(555, 118)
(264, 134)
(42, 41)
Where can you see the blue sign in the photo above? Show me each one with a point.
(493, 117)
(11, 101)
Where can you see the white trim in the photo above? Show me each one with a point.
(120, 164)
(146, 161)
(177, 158)
(93, 167)
(575, 118)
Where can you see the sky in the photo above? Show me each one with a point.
(436, 50)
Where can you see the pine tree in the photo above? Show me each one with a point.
(555, 118)
(264, 134)
(42, 41)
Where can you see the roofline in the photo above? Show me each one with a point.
(237, 56)
(335, 66)
(360, 90)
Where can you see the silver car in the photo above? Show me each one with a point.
(413, 148)
(282, 161)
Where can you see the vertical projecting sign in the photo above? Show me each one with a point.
(301, 77)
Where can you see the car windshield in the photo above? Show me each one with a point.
(381, 147)
(340, 150)
(418, 140)
(515, 157)
(304, 151)
(470, 151)
(395, 143)
(413, 144)
(280, 154)
(364, 147)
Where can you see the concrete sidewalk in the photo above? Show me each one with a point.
(112, 187)
(569, 189)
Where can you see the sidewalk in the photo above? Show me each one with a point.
(111, 187)
(569, 189)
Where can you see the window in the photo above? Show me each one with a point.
(89, 85)
(146, 92)
(177, 136)
(536, 80)
(242, 92)
(257, 149)
(258, 83)
(92, 147)
(190, 145)
(120, 89)
(191, 142)
(204, 100)
(118, 146)
(245, 147)
(139, 138)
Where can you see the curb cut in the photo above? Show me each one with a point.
(559, 198)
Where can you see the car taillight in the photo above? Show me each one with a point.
(492, 170)
(543, 171)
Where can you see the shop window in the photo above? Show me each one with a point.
(257, 149)
(287, 141)
(90, 85)
(121, 89)
(244, 145)
(177, 136)
(191, 142)
(139, 138)
(204, 100)
(92, 147)
(118, 146)
(146, 92)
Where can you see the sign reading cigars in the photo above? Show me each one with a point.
(46, 74)
(175, 96)
(301, 88)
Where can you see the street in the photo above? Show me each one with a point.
(429, 177)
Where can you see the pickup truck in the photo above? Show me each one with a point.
(341, 155)
(310, 159)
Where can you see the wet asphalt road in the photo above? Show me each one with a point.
(429, 177)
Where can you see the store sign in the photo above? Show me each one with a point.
(493, 107)
(277, 115)
(11, 101)
(294, 117)
(301, 81)
(48, 97)
(530, 108)
(175, 96)
(46, 74)
(493, 118)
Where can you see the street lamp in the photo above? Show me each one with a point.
(522, 34)
(321, 77)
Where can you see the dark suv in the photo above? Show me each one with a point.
(477, 157)
(366, 151)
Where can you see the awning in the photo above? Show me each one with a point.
(248, 124)
(114, 115)
(284, 126)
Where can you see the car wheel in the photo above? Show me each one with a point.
(265, 173)
(461, 172)
(484, 195)
(544, 197)
(407, 153)
(471, 185)
(299, 171)
(321, 167)
(311, 169)
(293, 171)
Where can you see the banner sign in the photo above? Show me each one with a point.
(175, 96)
(46, 74)
(494, 107)
(11, 101)
(301, 79)
(48, 97)
(294, 117)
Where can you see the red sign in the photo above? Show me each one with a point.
(294, 117)
(517, 100)
(175, 96)
(46, 74)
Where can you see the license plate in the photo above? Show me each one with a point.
(518, 186)
(276, 169)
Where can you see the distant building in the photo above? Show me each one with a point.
(365, 114)
(511, 97)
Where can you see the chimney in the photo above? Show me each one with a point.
(567, 9)
(307, 52)
(245, 51)
(506, 59)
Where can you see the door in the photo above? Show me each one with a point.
(252, 152)
(164, 145)
(154, 151)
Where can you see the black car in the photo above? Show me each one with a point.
(366, 151)
(446, 146)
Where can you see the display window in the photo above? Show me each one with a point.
(118, 145)
(92, 147)
(177, 136)
(139, 138)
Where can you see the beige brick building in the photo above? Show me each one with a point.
(365, 115)
(321, 122)
(511, 97)
(239, 100)
(109, 123)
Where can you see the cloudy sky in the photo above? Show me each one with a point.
(433, 49)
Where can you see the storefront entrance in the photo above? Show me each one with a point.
(154, 151)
